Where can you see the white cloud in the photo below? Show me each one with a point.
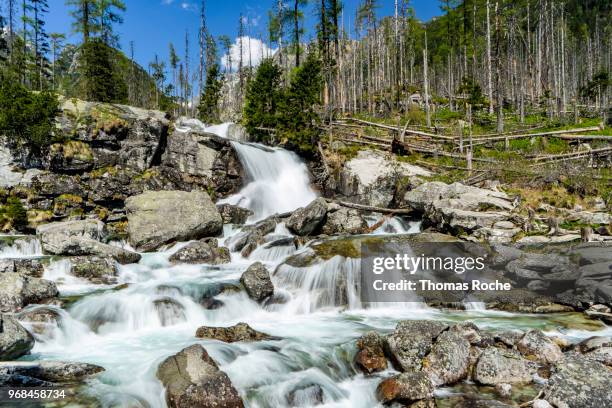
(185, 5)
(257, 50)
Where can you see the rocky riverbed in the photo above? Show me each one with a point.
(166, 263)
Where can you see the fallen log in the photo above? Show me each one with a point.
(409, 131)
(371, 208)
(522, 136)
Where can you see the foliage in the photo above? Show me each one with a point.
(100, 80)
(26, 116)
(473, 91)
(299, 119)
(262, 100)
(13, 215)
(209, 102)
(597, 86)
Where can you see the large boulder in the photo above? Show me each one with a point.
(29, 267)
(457, 206)
(344, 221)
(15, 341)
(449, 359)
(79, 238)
(411, 342)
(257, 283)
(579, 382)
(238, 332)
(203, 158)
(497, 366)
(193, 379)
(405, 388)
(162, 217)
(56, 237)
(536, 345)
(251, 236)
(206, 251)
(375, 178)
(307, 220)
(18, 291)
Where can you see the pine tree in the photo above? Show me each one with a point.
(84, 14)
(209, 101)
(226, 42)
(174, 60)
(107, 13)
(99, 78)
(40, 40)
(56, 44)
(262, 100)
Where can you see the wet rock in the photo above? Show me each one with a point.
(56, 237)
(467, 402)
(210, 303)
(101, 271)
(232, 214)
(602, 355)
(591, 253)
(449, 359)
(41, 320)
(15, 340)
(252, 236)
(405, 388)
(496, 366)
(344, 221)
(161, 217)
(206, 251)
(411, 342)
(306, 396)
(503, 390)
(256, 280)
(193, 379)
(535, 344)
(238, 332)
(53, 185)
(307, 220)
(18, 291)
(29, 267)
(170, 311)
(579, 382)
(370, 357)
(51, 371)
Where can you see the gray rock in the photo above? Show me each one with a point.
(449, 359)
(579, 382)
(29, 267)
(594, 343)
(206, 251)
(193, 379)
(83, 246)
(309, 395)
(411, 342)
(307, 220)
(405, 388)
(102, 271)
(18, 291)
(541, 404)
(496, 366)
(56, 237)
(252, 236)
(15, 341)
(162, 217)
(238, 332)
(256, 280)
(232, 214)
(344, 221)
(52, 371)
(535, 344)
(373, 178)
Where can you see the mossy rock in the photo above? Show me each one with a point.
(74, 150)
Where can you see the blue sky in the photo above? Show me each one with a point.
(153, 24)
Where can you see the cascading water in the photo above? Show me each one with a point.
(156, 308)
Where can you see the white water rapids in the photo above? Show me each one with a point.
(156, 314)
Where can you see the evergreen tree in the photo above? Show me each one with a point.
(226, 42)
(57, 40)
(84, 14)
(299, 117)
(262, 100)
(101, 82)
(209, 101)
(41, 39)
(107, 13)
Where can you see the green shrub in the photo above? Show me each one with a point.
(26, 116)
(13, 215)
